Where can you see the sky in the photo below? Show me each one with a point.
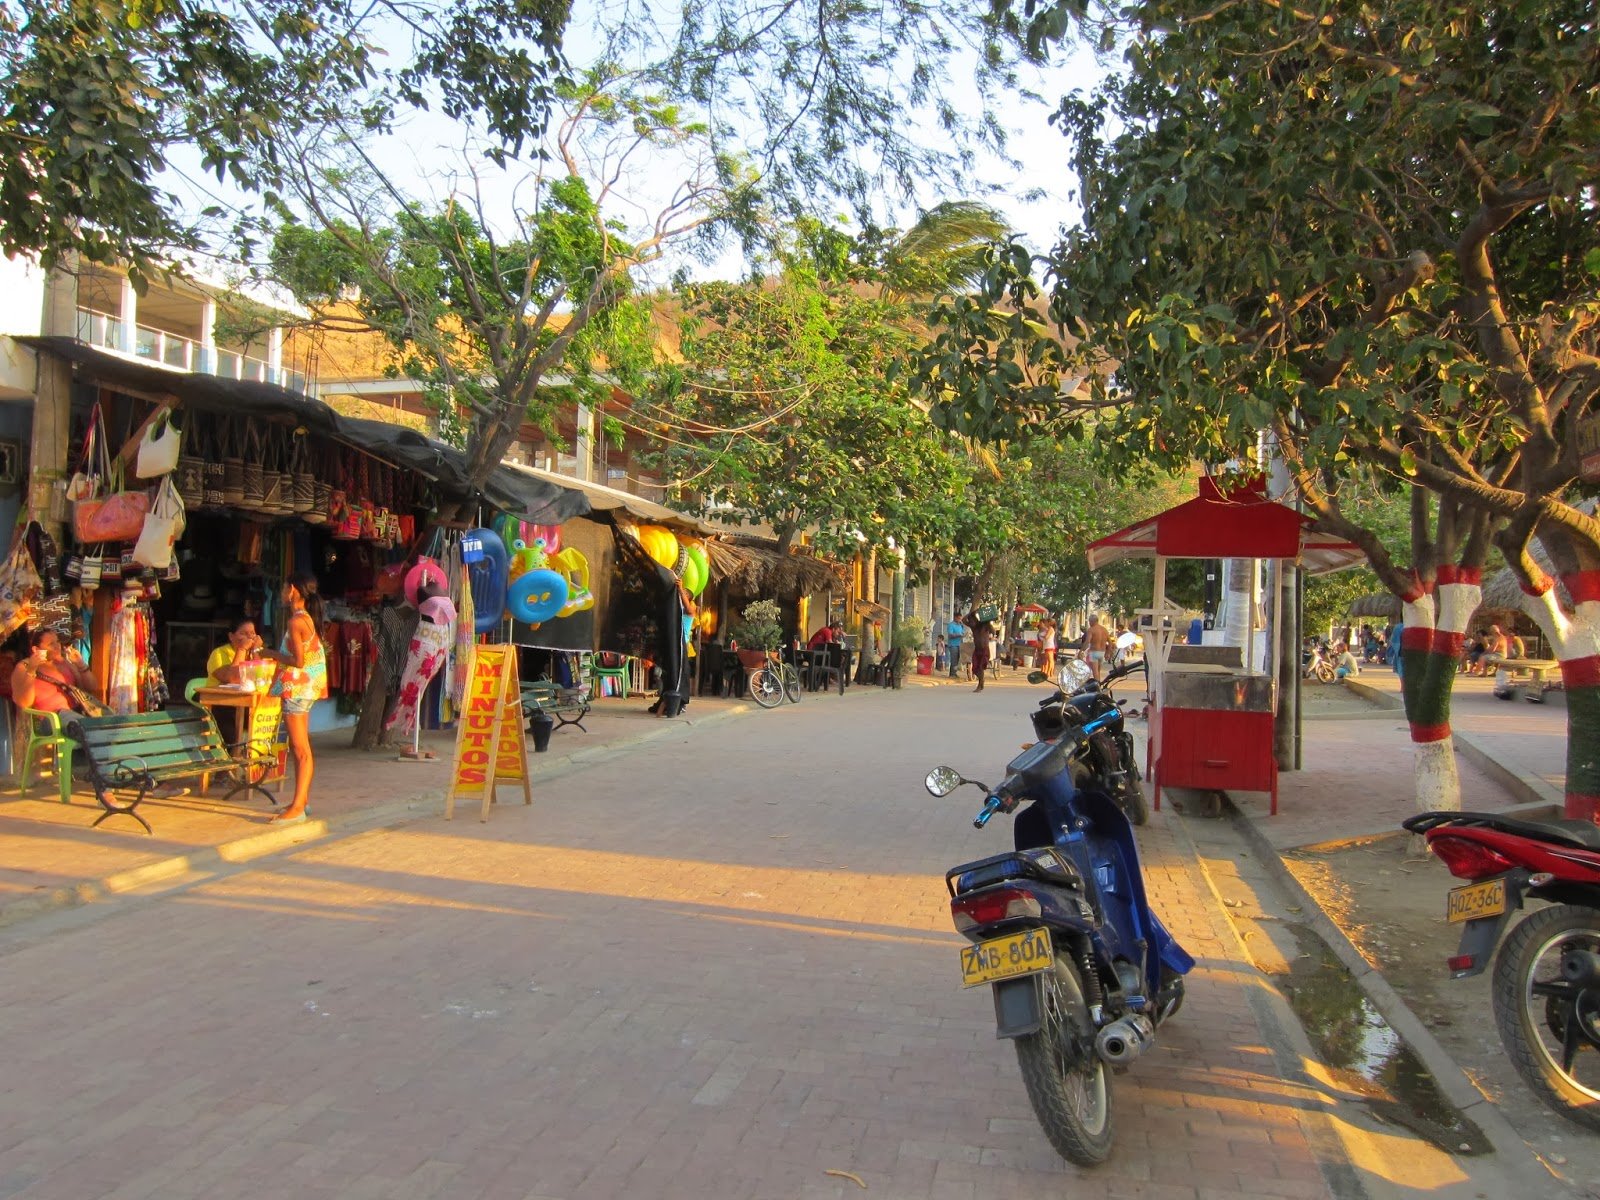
(1034, 193)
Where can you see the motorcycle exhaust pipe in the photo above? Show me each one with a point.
(1581, 968)
(1122, 1041)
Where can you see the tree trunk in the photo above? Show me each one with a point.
(1576, 642)
(1430, 657)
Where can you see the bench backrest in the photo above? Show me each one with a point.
(180, 736)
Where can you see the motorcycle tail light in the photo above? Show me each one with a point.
(977, 909)
(1468, 859)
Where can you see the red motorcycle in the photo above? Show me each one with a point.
(1547, 974)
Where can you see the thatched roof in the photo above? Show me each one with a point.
(761, 570)
(1501, 590)
(1376, 604)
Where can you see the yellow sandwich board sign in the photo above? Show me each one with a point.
(490, 747)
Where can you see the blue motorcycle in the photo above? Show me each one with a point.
(1082, 972)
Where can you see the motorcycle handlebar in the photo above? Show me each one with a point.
(990, 806)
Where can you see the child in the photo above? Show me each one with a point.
(939, 652)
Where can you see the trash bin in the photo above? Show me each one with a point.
(540, 725)
(924, 664)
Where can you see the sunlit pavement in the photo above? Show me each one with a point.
(719, 966)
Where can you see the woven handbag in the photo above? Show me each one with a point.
(232, 467)
(255, 482)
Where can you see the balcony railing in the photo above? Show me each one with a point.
(184, 354)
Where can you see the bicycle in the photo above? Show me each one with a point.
(774, 681)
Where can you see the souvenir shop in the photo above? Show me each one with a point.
(186, 513)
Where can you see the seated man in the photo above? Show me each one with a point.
(1345, 665)
(828, 633)
(226, 661)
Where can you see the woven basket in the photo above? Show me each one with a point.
(305, 491)
(190, 480)
(322, 495)
(233, 481)
(215, 491)
(273, 498)
(253, 494)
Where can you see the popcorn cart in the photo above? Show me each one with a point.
(1212, 709)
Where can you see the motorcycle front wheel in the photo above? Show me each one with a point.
(1551, 1027)
(1068, 1086)
(1324, 673)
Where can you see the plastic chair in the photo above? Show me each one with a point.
(44, 733)
(609, 665)
(190, 688)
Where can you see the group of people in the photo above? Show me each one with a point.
(54, 678)
(1489, 648)
(1098, 646)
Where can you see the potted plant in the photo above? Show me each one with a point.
(757, 633)
(909, 636)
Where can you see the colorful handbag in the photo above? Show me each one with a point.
(118, 517)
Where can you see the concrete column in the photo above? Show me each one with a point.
(128, 315)
(49, 450)
(583, 443)
(275, 355)
(208, 338)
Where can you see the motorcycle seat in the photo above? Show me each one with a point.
(1044, 863)
(1583, 834)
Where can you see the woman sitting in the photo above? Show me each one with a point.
(53, 679)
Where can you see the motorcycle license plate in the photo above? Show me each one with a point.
(1486, 899)
(1005, 957)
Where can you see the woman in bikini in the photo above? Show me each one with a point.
(302, 681)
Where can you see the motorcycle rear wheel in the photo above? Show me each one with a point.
(1068, 1086)
(1324, 672)
(1551, 1028)
(1132, 796)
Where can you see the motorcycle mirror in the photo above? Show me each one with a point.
(1127, 640)
(942, 781)
(1038, 677)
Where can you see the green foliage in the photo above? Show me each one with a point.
(1368, 236)
(760, 626)
(910, 634)
(783, 411)
(94, 95)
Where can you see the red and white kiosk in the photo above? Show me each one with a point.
(1211, 722)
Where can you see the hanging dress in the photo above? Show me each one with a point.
(430, 646)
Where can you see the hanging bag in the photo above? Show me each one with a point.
(161, 529)
(255, 483)
(20, 587)
(305, 480)
(115, 517)
(85, 482)
(214, 468)
(233, 467)
(91, 568)
(159, 448)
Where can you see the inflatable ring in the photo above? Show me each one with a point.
(551, 534)
(487, 578)
(426, 568)
(697, 573)
(537, 596)
(659, 543)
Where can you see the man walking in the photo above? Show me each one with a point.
(1096, 640)
(981, 633)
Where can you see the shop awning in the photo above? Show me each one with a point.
(1238, 523)
(544, 501)
(608, 499)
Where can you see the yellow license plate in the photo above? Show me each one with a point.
(1486, 899)
(1005, 957)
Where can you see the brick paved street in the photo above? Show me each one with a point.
(720, 966)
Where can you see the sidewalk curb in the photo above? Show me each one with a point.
(1454, 1082)
(417, 806)
(1531, 791)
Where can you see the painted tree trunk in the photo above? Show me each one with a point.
(1576, 642)
(1430, 653)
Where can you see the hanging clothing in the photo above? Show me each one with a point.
(429, 647)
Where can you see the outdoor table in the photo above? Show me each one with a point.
(262, 713)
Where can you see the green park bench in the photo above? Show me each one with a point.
(568, 706)
(144, 751)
